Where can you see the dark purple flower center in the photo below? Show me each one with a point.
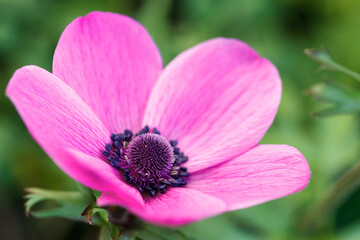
(151, 155)
(148, 160)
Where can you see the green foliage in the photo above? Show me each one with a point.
(327, 63)
(57, 203)
(151, 232)
(108, 230)
(344, 99)
(81, 206)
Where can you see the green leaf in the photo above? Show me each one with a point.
(50, 203)
(103, 214)
(114, 231)
(343, 99)
(105, 233)
(109, 231)
(88, 191)
(327, 63)
(151, 232)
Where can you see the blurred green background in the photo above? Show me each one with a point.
(279, 30)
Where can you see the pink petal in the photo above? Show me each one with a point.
(217, 99)
(67, 130)
(55, 115)
(100, 176)
(264, 173)
(112, 63)
(178, 206)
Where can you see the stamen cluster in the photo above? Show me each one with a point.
(147, 160)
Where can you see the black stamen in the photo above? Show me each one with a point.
(117, 144)
(112, 136)
(108, 147)
(184, 174)
(155, 131)
(176, 150)
(173, 143)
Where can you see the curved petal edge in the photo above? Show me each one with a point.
(264, 173)
(179, 206)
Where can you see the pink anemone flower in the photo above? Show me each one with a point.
(171, 145)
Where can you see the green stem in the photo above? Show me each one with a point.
(337, 67)
(312, 219)
(322, 56)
